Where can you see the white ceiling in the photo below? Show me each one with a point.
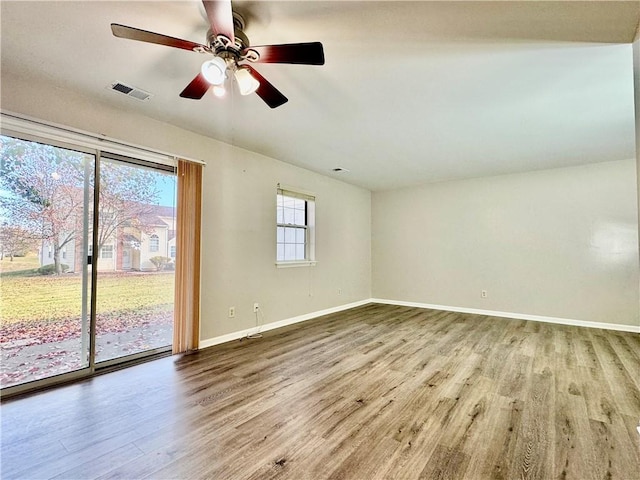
(411, 92)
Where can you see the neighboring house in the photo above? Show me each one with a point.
(135, 248)
(130, 248)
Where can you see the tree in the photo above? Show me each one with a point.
(14, 241)
(42, 192)
(127, 196)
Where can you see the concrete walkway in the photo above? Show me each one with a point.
(25, 360)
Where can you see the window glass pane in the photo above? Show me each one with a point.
(279, 215)
(299, 252)
(141, 213)
(299, 204)
(289, 235)
(280, 235)
(45, 194)
(289, 215)
(300, 235)
(300, 217)
(289, 252)
(280, 252)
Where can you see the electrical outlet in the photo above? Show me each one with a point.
(256, 307)
(339, 291)
(232, 312)
(483, 293)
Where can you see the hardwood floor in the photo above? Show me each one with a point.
(374, 392)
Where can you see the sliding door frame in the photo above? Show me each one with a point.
(92, 367)
(133, 358)
(86, 313)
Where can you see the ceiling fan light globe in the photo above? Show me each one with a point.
(219, 90)
(247, 83)
(214, 71)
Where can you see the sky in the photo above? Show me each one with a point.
(166, 185)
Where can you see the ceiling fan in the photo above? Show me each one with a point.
(232, 55)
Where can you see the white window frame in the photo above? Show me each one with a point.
(107, 251)
(310, 227)
(154, 243)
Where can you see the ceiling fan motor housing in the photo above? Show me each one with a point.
(220, 43)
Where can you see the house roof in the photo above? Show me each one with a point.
(411, 92)
(127, 237)
(164, 211)
(158, 216)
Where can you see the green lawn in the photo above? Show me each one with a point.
(19, 265)
(53, 298)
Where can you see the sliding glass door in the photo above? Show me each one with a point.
(80, 291)
(46, 196)
(136, 259)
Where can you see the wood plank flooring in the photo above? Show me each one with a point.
(376, 392)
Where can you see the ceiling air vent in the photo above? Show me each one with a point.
(129, 91)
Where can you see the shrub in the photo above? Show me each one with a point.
(160, 262)
(51, 269)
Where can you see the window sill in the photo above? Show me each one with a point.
(301, 263)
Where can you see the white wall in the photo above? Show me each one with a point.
(553, 243)
(558, 243)
(239, 191)
(239, 219)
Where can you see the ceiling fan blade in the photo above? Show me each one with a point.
(132, 33)
(220, 17)
(267, 92)
(310, 53)
(196, 89)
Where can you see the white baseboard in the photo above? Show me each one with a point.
(209, 342)
(518, 316)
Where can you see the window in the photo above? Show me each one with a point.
(295, 228)
(154, 243)
(106, 216)
(106, 251)
(49, 251)
(172, 253)
(64, 253)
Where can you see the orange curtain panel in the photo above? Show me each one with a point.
(186, 329)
